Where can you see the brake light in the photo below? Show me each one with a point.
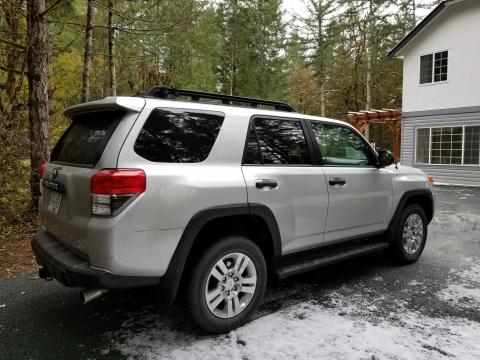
(111, 189)
(41, 169)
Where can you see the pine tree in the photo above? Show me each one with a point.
(318, 43)
(252, 39)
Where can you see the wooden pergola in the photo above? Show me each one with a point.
(391, 117)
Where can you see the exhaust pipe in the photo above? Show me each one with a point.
(88, 295)
(44, 274)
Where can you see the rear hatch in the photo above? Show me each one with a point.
(65, 204)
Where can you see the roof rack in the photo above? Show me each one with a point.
(172, 93)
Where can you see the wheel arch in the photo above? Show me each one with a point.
(251, 220)
(422, 197)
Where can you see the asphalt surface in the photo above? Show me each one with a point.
(44, 320)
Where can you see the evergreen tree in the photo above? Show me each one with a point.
(252, 40)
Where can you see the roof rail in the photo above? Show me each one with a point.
(171, 93)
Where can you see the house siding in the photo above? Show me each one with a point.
(456, 30)
(466, 175)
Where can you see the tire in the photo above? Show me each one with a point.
(207, 286)
(407, 249)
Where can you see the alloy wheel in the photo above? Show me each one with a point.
(230, 285)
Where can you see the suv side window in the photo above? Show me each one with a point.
(178, 136)
(340, 145)
(252, 151)
(280, 142)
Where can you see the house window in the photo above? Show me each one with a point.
(446, 146)
(423, 145)
(455, 145)
(472, 145)
(434, 67)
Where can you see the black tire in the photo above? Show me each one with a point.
(397, 248)
(196, 301)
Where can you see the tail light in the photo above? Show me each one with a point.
(41, 169)
(113, 189)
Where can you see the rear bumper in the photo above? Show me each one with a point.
(74, 271)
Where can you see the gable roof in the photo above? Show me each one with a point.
(423, 24)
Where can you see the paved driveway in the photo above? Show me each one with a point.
(363, 309)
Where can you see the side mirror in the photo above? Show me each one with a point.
(385, 158)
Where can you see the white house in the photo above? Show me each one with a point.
(441, 93)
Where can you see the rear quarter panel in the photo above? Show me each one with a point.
(176, 191)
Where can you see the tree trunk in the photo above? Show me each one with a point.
(321, 55)
(111, 51)
(14, 57)
(369, 41)
(232, 67)
(322, 100)
(88, 52)
(414, 14)
(37, 74)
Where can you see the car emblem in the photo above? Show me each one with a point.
(55, 172)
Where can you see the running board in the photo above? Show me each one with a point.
(329, 258)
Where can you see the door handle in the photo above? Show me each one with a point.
(266, 183)
(336, 181)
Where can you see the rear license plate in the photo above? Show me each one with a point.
(55, 201)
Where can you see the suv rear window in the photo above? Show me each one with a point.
(178, 136)
(84, 141)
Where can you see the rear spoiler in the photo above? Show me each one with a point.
(126, 103)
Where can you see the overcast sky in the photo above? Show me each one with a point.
(298, 7)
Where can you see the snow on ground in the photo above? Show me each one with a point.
(461, 221)
(342, 327)
(463, 288)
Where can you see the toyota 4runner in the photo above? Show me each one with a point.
(212, 194)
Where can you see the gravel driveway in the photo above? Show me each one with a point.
(363, 309)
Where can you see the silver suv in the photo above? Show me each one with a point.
(213, 194)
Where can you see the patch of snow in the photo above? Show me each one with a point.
(342, 327)
(414, 283)
(460, 221)
(463, 288)
(377, 278)
(2, 305)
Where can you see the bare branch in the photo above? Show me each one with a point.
(51, 7)
(10, 70)
(11, 43)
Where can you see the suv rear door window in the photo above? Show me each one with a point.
(280, 142)
(86, 138)
(178, 136)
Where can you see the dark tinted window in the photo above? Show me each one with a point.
(282, 142)
(178, 136)
(252, 153)
(340, 145)
(84, 141)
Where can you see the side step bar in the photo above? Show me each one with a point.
(329, 258)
